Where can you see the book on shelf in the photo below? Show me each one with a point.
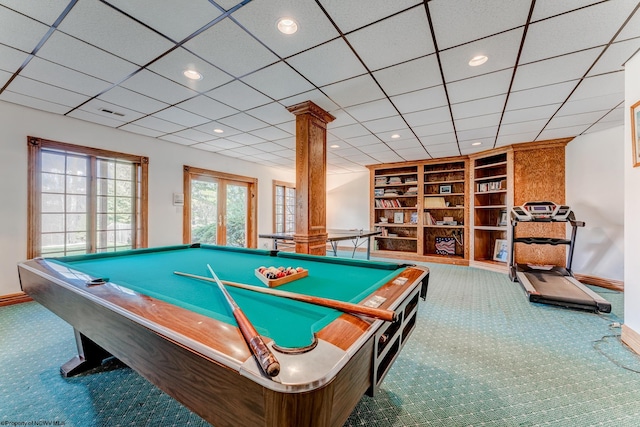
(381, 180)
(429, 219)
(388, 203)
(395, 180)
(490, 186)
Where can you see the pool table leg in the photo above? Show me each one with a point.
(90, 355)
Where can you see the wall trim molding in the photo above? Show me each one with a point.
(614, 285)
(631, 338)
(11, 299)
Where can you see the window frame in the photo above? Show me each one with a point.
(286, 185)
(34, 185)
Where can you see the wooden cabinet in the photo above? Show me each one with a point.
(395, 208)
(492, 178)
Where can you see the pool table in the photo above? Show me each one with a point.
(178, 332)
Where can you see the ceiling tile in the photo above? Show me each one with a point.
(170, 17)
(387, 124)
(328, 63)
(239, 95)
(95, 118)
(349, 15)
(268, 148)
(523, 127)
(561, 132)
(114, 112)
(547, 8)
(243, 122)
(413, 153)
(11, 59)
(270, 133)
(398, 144)
(245, 139)
(443, 138)
(555, 70)
(278, 81)
(78, 55)
(178, 140)
(615, 57)
(596, 103)
(461, 21)
(45, 12)
(19, 31)
(349, 131)
(207, 147)
(632, 29)
(195, 135)
(158, 124)
(530, 113)
(560, 121)
(475, 134)
(492, 104)
(501, 49)
(479, 87)
(354, 91)
(173, 65)
(180, 116)
(429, 116)
(36, 103)
(35, 89)
(543, 95)
(373, 148)
(557, 36)
(48, 72)
(359, 141)
(158, 87)
(229, 47)
(372, 110)
(434, 129)
(420, 100)
(106, 28)
(135, 101)
(410, 76)
(599, 85)
(515, 138)
(4, 77)
(224, 144)
(207, 107)
(274, 113)
(140, 130)
(212, 127)
(260, 19)
(385, 43)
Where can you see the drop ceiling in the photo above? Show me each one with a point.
(395, 74)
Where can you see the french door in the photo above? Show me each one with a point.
(219, 208)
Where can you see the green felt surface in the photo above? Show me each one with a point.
(289, 323)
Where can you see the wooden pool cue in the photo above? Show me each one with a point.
(266, 359)
(347, 307)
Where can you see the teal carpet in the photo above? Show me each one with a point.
(481, 355)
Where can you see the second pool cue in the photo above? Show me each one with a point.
(265, 357)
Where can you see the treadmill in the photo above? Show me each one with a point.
(548, 284)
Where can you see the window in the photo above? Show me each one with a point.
(219, 208)
(84, 200)
(284, 207)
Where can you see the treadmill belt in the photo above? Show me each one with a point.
(554, 285)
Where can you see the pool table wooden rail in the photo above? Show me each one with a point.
(174, 349)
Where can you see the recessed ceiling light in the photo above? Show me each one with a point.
(477, 143)
(192, 74)
(395, 136)
(287, 26)
(218, 130)
(334, 146)
(478, 60)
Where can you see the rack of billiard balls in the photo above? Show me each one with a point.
(276, 276)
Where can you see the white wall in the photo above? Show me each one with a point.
(595, 191)
(348, 201)
(631, 203)
(165, 177)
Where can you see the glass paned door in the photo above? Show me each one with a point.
(236, 214)
(204, 211)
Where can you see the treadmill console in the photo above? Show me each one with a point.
(541, 211)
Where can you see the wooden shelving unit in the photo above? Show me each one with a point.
(444, 213)
(491, 202)
(395, 209)
(467, 198)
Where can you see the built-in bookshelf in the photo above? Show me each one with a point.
(395, 210)
(491, 203)
(444, 209)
